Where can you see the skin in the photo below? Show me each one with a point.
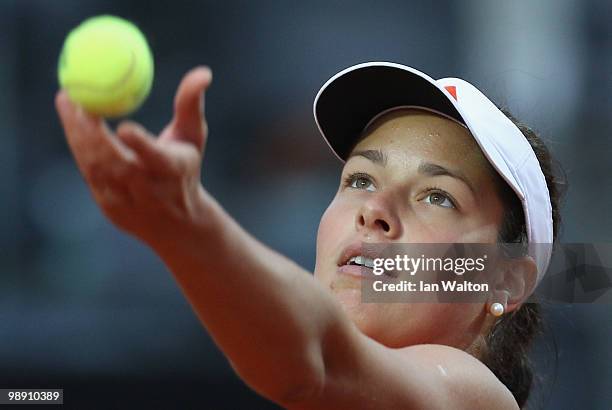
(306, 342)
(396, 204)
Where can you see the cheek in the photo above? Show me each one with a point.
(427, 228)
(335, 221)
(438, 227)
(334, 229)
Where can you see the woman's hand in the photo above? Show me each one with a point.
(147, 186)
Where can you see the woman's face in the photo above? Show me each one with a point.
(416, 177)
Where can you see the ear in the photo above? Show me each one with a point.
(517, 281)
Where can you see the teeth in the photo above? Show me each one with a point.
(362, 260)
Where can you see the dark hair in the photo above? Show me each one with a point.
(506, 347)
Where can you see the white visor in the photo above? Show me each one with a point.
(351, 99)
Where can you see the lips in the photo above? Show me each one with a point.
(362, 255)
(357, 271)
(357, 260)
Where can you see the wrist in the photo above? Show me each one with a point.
(198, 225)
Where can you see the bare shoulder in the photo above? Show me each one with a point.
(466, 379)
(369, 375)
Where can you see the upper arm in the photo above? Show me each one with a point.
(365, 374)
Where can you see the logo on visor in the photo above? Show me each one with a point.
(452, 90)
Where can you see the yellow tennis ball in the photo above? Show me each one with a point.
(106, 66)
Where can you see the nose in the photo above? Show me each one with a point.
(378, 218)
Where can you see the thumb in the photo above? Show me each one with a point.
(189, 124)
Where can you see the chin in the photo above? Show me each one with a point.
(372, 319)
(363, 315)
(350, 300)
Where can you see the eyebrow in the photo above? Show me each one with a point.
(375, 155)
(426, 168)
(431, 169)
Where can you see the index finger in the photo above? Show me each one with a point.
(88, 136)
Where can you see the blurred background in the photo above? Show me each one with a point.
(86, 308)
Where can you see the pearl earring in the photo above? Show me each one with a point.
(496, 309)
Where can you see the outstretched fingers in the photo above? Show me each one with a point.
(101, 158)
(150, 155)
(189, 124)
(91, 141)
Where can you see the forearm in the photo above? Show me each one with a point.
(266, 313)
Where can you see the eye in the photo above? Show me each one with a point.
(440, 199)
(360, 181)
